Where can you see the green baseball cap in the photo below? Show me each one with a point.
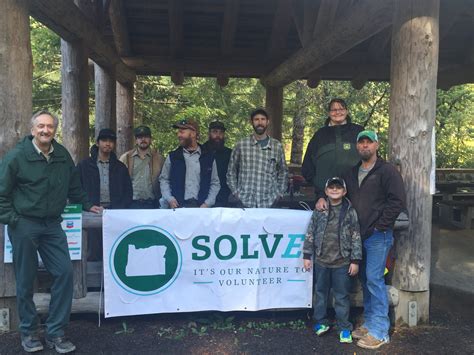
(368, 134)
(141, 131)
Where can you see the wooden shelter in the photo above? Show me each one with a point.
(417, 45)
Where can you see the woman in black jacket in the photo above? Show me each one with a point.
(332, 150)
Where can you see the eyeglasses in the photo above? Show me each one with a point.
(337, 110)
(183, 122)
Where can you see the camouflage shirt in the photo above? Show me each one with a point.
(350, 245)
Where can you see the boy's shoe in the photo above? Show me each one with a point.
(320, 329)
(371, 343)
(360, 332)
(60, 344)
(31, 343)
(345, 336)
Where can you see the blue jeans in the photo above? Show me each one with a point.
(375, 251)
(339, 280)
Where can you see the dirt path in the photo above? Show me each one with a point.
(450, 332)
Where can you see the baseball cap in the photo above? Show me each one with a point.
(187, 124)
(368, 134)
(217, 125)
(141, 131)
(335, 180)
(105, 133)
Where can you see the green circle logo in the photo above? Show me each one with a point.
(145, 260)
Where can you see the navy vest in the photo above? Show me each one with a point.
(178, 174)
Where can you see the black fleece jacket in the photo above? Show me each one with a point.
(379, 199)
(331, 152)
(120, 185)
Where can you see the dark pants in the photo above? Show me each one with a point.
(46, 237)
(339, 280)
(144, 204)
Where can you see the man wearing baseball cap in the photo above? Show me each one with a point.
(189, 175)
(216, 144)
(144, 166)
(376, 190)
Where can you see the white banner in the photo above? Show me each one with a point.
(192, 259)
(72, 226)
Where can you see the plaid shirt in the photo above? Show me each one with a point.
(258, 176)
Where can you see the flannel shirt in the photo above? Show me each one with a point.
(257, 175)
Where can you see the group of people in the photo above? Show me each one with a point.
(358, 197)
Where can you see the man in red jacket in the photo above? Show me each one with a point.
(376, 190)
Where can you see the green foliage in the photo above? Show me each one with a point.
(159, 103)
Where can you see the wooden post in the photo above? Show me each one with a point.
(75, 99)
(124, 118)
(16, 74)
(105, 94)
(274, 105)
(414, 67)
(79, 268)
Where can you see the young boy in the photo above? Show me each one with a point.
(333, 240)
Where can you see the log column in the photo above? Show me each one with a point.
(105, 94)
(414, 66)
(274, 106)
(16, 74)
(124, 118)
(75, 99)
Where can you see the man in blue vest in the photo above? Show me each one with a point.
(189, 176)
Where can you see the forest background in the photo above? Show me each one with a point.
(159, 103)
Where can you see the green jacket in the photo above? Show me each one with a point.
(30, 186)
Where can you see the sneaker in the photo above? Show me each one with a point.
(320, 329)
(345, 336)
(360, 332)
(371, 343)
(60, 344)
(31, 343)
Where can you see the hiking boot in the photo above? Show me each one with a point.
(360, 332)
(371, 343)
(60, 344)
(345, 336)
(320, 329)
(31, 343)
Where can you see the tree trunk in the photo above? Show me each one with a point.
(415, 40)
(124, 118)
(274, 105)
(299, 121)
(16, 74)
(105, 94)
(75, 99)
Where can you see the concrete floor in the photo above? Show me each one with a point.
(452, 258)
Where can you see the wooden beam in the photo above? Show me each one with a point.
(314, 79)
(175, 14)
(105, 100)
(205, 67)
(455, 75)
(274, 106)
(229, 26)
(68, 21)
(75, 99)
(118, 22)
(280, 28)
(334, 43)
(124, 118)
(177, 77)
(326, 17)
(414, 67)
(222, 80)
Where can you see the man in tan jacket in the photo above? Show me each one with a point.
(144, 166)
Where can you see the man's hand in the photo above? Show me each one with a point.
(204, 205)
(173, 203)
(97, 209)
(353, 269)
(307, 264)
(321, 204)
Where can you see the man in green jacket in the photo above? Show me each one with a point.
(36, 178)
